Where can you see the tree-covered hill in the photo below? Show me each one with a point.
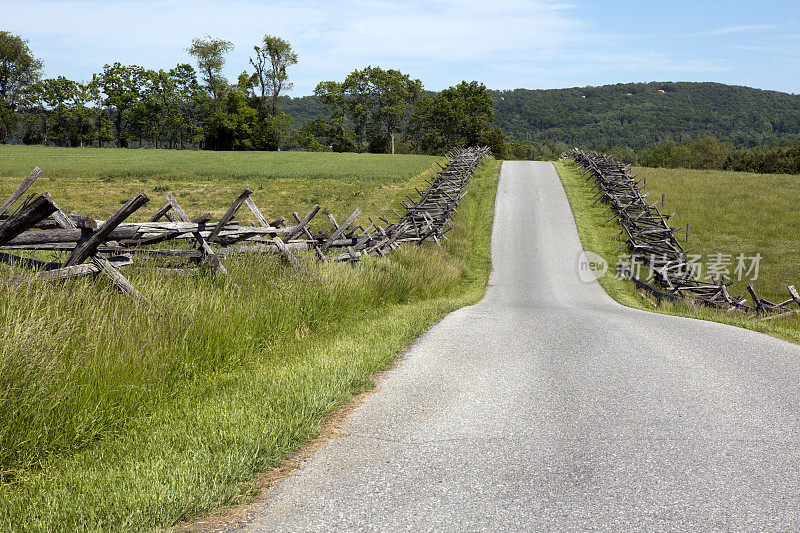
(632, 114)
(639, 114)
(302, 109)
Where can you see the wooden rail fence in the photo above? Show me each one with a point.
(652, 242)
(96, 247)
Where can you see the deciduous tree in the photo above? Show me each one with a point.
(457, 116)
(373, 101)
(394, 93)
(99, 117)
(122, 86)
(60, 98)
(333, 129)
(358, 103)
(271, 62)
(210, 55)
(19, 71)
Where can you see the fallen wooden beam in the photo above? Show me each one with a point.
(82, 269)
(28, 262)
(100, 262)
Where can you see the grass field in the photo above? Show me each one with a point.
(96, 181)
(122, 418)
(737, 213)
(734, 193)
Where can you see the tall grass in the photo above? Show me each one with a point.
(119, 417)
(79, 361)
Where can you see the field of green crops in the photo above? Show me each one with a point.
(96, 181)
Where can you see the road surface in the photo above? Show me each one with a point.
(548, 406)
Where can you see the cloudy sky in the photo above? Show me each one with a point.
(504, 43)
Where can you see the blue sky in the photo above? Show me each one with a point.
(504, 43)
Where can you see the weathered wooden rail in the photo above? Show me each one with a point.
(95, 247)
(652, 243)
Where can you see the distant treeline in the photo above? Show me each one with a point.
(703, 153)
(694, 125)
(708, 153)
(691, 125)
(372, 109)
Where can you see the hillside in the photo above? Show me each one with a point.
(301, 109)
(638, 114)
(632, 114)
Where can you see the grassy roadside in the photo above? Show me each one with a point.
(226, 387)
(600, 237)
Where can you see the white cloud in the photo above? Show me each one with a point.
(646, 61)
(774, 49)
(746, 28)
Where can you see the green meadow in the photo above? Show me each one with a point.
(95, 181)
(736, 213)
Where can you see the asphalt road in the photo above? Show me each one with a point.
(548, 406)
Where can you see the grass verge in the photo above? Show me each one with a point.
(601, 238)
(143, 419)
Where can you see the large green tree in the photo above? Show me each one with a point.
(122, 86)
(332, 129)
(167, 112)
(81, 115)
(373, 102)
(210, 55)
(19, 72)
(61, 99)
(185, 101)
(101, 124)
(271, 62)
(359, 100)
(394, 92)
(457, 116)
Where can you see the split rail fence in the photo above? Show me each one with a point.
(96, 247)
(652, 243)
